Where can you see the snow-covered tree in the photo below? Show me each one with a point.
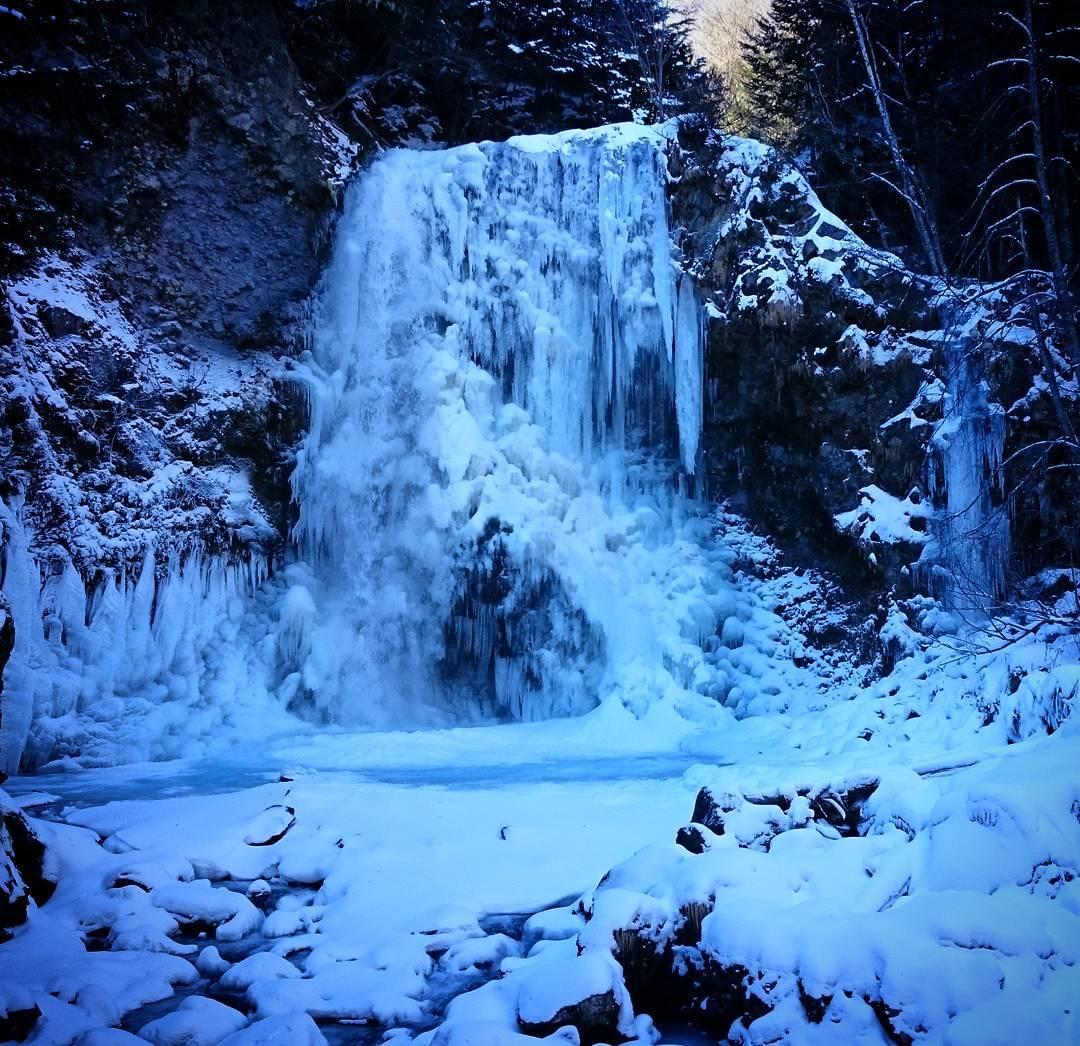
(453, 70)
(905, 111)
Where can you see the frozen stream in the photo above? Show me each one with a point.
(150, 781)
(401, 870)
(392, 879)
(617, 800)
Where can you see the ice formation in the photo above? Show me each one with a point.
(505, 393)
(972, 531)
(119, 667)
(496, 514)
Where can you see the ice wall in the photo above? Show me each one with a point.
(505, 393)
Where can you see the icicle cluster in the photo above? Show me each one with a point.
(111, 672)
(972, 530)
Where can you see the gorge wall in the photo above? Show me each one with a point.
(171, 198)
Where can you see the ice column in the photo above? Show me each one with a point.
(972, 530)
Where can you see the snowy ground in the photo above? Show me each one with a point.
(402, 859)
(389, 873)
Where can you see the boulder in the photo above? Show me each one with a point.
(23, 871)
(709, 810)
(692, 837)
(582, 992)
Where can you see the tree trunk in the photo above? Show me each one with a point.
(911, 190)
(1065, 308)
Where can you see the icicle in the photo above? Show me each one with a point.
(689, 376)
(294, 627)
(972, 531)
(89, 668)
(22, 588)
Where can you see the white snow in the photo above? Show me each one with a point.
(957, 902)
(886, 519)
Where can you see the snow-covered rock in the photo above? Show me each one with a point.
(293, 1030)
(231, 915)
(197, 1021)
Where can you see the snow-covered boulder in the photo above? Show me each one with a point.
(197, 1021)
(585, 991)
(18, 1013)
(262, 966)
(231, 915)
(25, 874)
(296, 1029)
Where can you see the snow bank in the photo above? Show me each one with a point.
(951, 914)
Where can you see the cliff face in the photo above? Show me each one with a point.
(171, 186)
(808, 355)
(889, 429)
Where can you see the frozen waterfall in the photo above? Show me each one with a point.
(505, 392)
(972, 530)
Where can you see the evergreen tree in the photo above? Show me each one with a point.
(568, 63)
(457, 70)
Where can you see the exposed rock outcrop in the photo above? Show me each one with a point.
(834, 389)
(170, 187)
(24, 872)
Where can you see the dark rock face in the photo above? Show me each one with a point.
(826, 370)
(170, 190)
(886, 1016)
(680, 983)
(723, 995)
(843, 809)
(23, 869)
(692, 838)
(176, 139)
(595, 1018)
(14, 897)
(7, 645)
(709, 811)
(16, 1025)
(803, 362)
(815, 1007)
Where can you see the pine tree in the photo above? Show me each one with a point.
(568, 63)
(777, 82)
